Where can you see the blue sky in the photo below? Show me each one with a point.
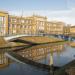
(59, 10)
(33, 4)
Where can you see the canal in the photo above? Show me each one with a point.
(64, 55)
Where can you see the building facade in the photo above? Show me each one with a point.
(67, 30)
(72, 30)
(3, 23)
(39, 23)
(13, 25)
(20, 25)
(56, 28)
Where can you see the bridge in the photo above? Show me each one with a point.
(16, 36)
(64, 37)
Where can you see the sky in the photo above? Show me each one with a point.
(55, 10)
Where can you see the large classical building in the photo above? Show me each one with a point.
(3, 23)
(11, 25)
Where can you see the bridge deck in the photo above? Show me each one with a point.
(40, 39)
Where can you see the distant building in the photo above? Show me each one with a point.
(67, 29)
(72, 30)
(55, 27)
(12, 25)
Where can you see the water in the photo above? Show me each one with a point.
(21, 69)
(60, 58)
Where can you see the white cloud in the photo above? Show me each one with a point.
(67, 16)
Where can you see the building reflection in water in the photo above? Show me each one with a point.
(3, 59)
(35, 53)
(39, 52)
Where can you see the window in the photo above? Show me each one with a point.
(1, 21)
(22, 21)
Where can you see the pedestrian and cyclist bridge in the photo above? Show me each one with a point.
(65, 37)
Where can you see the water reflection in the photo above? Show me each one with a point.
(61, 58)
(62, 54)
(41, 51)
(21, 69)
(3, 59)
